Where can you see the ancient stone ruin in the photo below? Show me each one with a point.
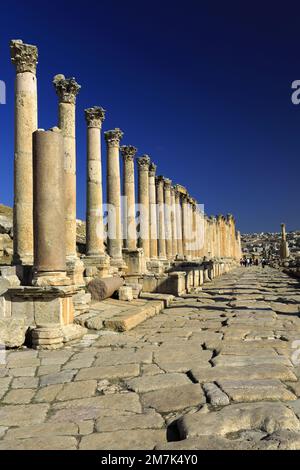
(145, 250)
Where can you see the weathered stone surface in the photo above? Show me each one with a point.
(22, 415)
(123, 357)
(255, 390)
(119, 440)
(45, 429)
(150, 420)
(215, 395)
(12, 331)
(175, 398)
(82, 389)
(109, 372)
(42, 442)
(269, 417)
(59, 378)
(19, 396)
(255, 372)
(156, 382)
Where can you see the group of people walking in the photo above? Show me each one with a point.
(247, 262)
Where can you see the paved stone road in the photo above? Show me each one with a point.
(216, 370)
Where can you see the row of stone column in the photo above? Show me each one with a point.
(170, 222)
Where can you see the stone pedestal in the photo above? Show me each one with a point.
(135, 261)
(24, 57)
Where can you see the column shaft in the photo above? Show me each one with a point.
(174, 223)
(128, 153)
(114, 237)
(168, 226)
(94, 210)
(160, 217)
(152, 212)
(178, 223)
(143, 198)
(49, 202)
(24, 56)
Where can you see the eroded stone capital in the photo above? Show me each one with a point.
(94, 116)
(144, 163)
(167, 183)
(24, 56)
(113, 137)
(66, 88)
(128, 152)
(152, 169)
(159, 180)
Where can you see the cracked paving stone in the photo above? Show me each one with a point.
(174, 398)
(18, 396)
(82, 389)
(140, 439)
(148, 383)
(22, 415)
(149, 420)
(109, 372)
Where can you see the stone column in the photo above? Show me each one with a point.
(167, 208)
(178, 222)
(94, 211)
(194, 229)
(284, 249)
(152, 212)
(143, 198)
(114, 237)
(159, 181)
(174, 223)
(128, 153)
(185, 224)
(67, 90)
(49, 207)
(24, 57)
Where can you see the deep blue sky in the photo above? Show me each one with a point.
(202, 87)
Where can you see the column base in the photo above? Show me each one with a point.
(44, 279)
(75, 269)
(96, 265)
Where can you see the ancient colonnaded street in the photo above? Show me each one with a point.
(216, 370)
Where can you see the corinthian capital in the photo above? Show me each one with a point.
(113, 137)
(24, 56)
(167, 183)
(128, 152)
(94, 116)
(143, 163)
(66, 88)
(152, 169)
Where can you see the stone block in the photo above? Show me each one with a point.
(125, 293)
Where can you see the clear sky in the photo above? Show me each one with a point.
(203, 87)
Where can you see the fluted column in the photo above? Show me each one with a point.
(152, 212)
(174, 223)
(49, 206)
(178, 215)
(94, 210)
(159, 181)
(143, 198)
(24, 57)
(114, 236)
(168, 227)
(128, 153)
(67, 90)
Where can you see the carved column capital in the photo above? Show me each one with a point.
(152, 169)
(113, 137)
(94, 116)
(144, 163)
(23, 56)
(128, 152)
(167, 183)
(66, 88)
